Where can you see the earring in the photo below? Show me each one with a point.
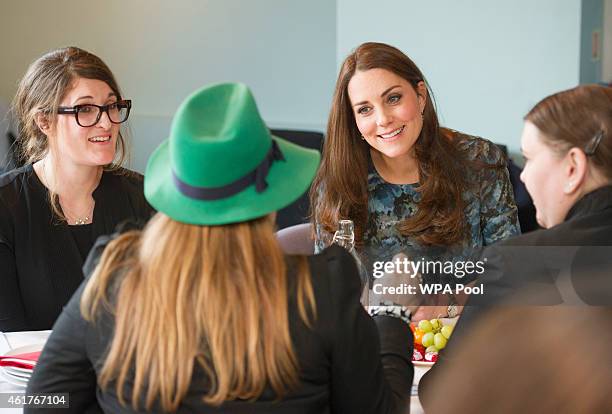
(362, 138)
(569, 186)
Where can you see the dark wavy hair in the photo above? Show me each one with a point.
(340, 187)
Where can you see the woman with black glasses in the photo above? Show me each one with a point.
(71, 188)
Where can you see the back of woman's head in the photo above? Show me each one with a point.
(580, 117)
(205, 285)
(42, 88)
(186, 294)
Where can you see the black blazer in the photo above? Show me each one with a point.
(349, 362)
(40, 263)
(525, 270)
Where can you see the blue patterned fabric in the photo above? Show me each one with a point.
(490, 211)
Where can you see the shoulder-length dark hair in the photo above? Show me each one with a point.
(340, 187)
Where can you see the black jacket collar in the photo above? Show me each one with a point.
(595, 201)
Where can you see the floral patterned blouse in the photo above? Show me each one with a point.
(490, 211)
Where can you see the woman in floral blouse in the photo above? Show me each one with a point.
(409, 185)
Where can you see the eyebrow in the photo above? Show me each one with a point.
(382, 95)
(111, 94)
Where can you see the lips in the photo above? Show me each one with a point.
(392, 134)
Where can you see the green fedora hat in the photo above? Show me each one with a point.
(221, 165)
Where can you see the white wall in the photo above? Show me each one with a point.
(160, 51)
(487, 61)
(606, 74)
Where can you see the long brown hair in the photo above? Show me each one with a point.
(40, 92)
(340, 187)
(183, 293)
(575, 118)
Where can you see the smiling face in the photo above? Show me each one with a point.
(545, 176)
(89, 146)
(387, 111)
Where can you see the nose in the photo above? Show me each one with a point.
(383, 118)
(104, 121)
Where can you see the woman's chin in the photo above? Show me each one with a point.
(102, 161)
(393, 152)
(541, 221)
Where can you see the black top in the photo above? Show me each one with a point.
(349, 362)
(40, 260)
(533, 269)
(83, 237)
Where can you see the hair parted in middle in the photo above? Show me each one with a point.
(339, 190)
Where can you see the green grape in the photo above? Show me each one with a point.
(435, 324)
(425, 326)
(447, 330)
(432, 348)
(439, 341)
(428, 339)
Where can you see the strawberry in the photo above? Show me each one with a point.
(431, 356)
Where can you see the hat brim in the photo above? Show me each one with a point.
(287, 181)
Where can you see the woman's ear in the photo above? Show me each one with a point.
(576, 170)
(43, 123)
(421, 91)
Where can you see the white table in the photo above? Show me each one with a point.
(12, 340)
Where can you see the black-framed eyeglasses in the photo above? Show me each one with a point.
(89, 114)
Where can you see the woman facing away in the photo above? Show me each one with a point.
(71, 189)
(409, 185)
(202, 312)
(567, 145)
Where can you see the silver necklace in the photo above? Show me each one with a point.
(80, 220)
